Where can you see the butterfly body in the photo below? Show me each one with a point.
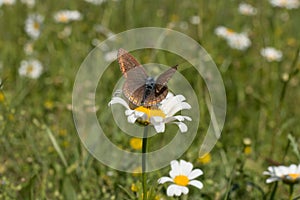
(139, 88)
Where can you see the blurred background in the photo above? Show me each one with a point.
(255, 45)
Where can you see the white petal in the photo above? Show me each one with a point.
(281, 170)
(129, 112)
(131, 118)
(119, 100)
(175, 169)
(174, 104)
(183, 128)
(177, 117)
(177, 108)
(156, 120)
(298, 168)
(266, 173)
(160, 128)
(293, 169)
(185, 167)
(139, 114)
(184, 190)
(158, 124)
(272, 179)
(195, 173)
(196, 183)
(168, 103)
(164, 180)
(176, 190)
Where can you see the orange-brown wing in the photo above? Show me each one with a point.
(135, 96)
(153, 99)
(128, 62)
(160, 89)
(134, 86)
(162, 80)
(135, 75)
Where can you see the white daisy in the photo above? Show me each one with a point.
(65, 33)
(247, 9)
(111, 55)
(31, 68)
(195, 20)
(7, 2)
(28, 48)
(158, 117)
(29, 3)
(288, 4)
(33, 25)
(223, 32)
(182, 174)
(239, 41)
(183, 25)
(95, 2)
(65, 16)
(289, 175)
(271, 54)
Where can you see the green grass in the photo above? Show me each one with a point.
(41, 156)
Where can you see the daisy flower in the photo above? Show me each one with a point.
(195, 20)
(7, 2)
(288, 4)
(65, 16)
(271, 54)
(111, 55)
(181, 174)
(289, 175)
(95, 2)
(158, 117)
(239, 41)
(33, 25)
(31, 68)
(223, 32)
(29, 3)
(247, 9)
(65, 33)
(28, 48)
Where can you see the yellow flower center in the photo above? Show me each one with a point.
(181, 180)
(63, 18)
(150, 112)
(247, 150)
(36, 25)
(230, 31)
(29, 69)
(294, 176)
(49, 105)
(136, 143)
(2, 97)
(206, 158)
(133, 188)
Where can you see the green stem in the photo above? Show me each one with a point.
(291, 191)
(274, 191)
(144, 174)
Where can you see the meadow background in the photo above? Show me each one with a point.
(41, 156)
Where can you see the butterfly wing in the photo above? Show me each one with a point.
(134, 86)
(161, 89)
(128, 62)
(162, 80)
(135, 75)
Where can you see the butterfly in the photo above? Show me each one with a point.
(139, 88)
